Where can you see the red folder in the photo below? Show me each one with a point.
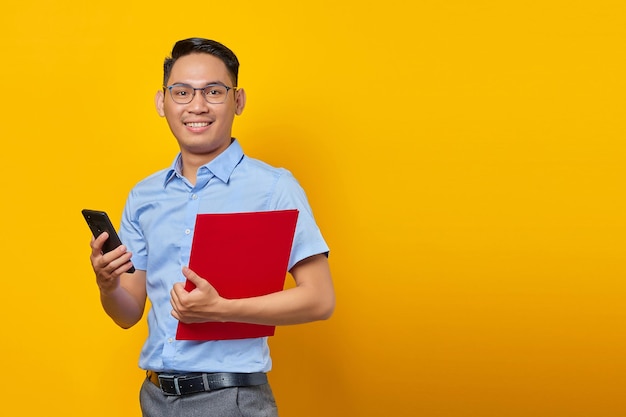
(242, 255)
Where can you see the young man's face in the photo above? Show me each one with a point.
(202, 129)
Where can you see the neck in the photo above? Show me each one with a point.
(191, 163)
(194, 160)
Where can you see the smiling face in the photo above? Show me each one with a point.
(202, 130)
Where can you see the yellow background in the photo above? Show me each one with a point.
(465, 160)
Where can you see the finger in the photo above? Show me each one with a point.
(174, 300)
(117, 257)
(175, 295)
(114, 263)
(98, 243)
(194, 278)
(176, 305)
(123, 268)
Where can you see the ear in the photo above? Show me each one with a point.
(159, 102)
(240, 101)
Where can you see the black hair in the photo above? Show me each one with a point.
(200, 45)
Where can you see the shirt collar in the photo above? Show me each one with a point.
(222, 166)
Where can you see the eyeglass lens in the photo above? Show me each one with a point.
(183, 94)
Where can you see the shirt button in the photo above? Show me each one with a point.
(187, 231)
(194, 196)
(170, 340)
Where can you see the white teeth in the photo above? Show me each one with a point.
(197, 124)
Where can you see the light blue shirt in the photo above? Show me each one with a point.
(158, 225)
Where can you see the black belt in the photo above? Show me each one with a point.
(183, 384)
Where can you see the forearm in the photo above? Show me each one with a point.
(312, 299)
(293, 306)
(122, 307)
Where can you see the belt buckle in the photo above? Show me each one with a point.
(169, 384)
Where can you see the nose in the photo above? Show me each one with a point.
(198, 103)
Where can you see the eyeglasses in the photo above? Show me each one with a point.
(212, 93)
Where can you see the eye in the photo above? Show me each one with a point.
(180, 91)
(215, 90)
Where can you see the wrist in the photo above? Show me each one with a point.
(109, 288)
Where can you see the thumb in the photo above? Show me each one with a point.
(193, 277)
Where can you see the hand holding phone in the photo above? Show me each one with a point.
(98, 222)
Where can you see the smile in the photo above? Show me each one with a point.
(197, 124)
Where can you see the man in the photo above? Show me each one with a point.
(210, 174)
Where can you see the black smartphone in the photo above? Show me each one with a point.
(98, 222)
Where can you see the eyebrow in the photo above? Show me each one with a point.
(205, 85)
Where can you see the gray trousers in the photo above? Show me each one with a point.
(255, 401)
